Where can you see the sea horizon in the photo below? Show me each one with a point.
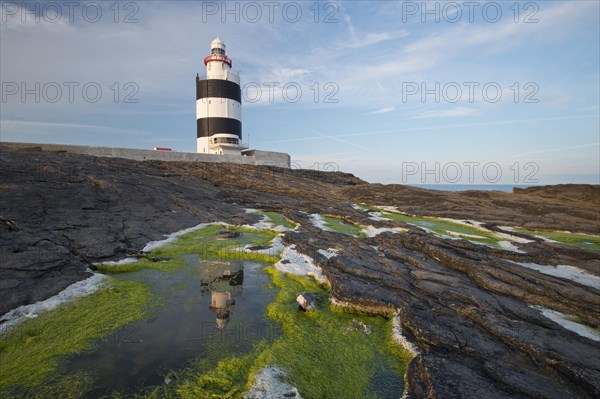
(483, 187)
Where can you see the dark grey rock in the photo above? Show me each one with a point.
(464, 306)
(259, 247)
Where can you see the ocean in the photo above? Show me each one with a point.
(464, 187)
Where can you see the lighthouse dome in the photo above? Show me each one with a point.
(217, 47)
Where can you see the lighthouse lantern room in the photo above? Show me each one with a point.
(219, 105)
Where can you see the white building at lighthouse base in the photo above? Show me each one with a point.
(220, 143)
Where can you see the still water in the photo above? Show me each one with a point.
(209, 309)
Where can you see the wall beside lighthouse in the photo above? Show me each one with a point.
(251, 157)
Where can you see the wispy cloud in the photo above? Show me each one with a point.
(560, 149)
(381, 111)
(320, 135)
(284, 74)
(11, 126)
(448, 113)
(364, 39)
(441, 127)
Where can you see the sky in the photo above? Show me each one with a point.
(400, 92)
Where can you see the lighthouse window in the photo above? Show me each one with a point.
(224, 140)
(218, 51)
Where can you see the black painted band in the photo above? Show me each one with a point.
(218, 88)
(208, 126)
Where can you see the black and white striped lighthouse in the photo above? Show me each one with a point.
(219, 105)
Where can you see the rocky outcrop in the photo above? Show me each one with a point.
(573, 207)
(307, 301)
(468, 311)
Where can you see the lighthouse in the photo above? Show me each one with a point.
(218, 105)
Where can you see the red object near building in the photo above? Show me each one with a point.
(162, 149)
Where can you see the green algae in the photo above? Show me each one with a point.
(208, 243)
(204, 380)
(31, 352)
(73, 386)
(279, 220)
(341, 226)
(579, 320)
(450, 229)
(441, 227)
(227, 380)
(579, 240)
(367, 208)
(446, 228)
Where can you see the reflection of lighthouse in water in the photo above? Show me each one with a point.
(224, 280)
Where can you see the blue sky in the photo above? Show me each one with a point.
(389, 91)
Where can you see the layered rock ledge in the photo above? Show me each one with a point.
(471, 311)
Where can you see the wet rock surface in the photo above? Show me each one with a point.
(467, 308)
(269, 384)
